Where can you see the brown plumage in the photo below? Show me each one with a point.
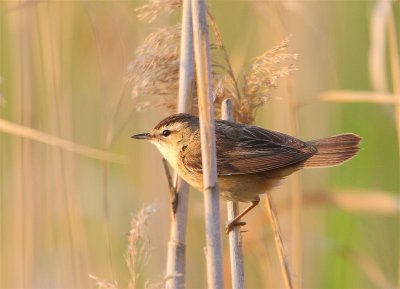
(250, 160)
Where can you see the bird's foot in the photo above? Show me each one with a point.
(229, 227)
(174, 202)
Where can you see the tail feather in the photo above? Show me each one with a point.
(333, 151)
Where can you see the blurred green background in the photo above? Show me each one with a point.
(63, 68)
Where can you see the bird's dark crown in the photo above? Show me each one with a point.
(176, 118)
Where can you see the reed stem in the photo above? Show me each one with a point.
(208, 149)
(176, 258)
(235, 239)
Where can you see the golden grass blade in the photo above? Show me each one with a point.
(32, 134)
(355, 201)
(359, 96)
(280, 248)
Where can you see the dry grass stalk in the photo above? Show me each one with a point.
(354, 201)
(280, 248)
(235, 238)
(32, 134)
(138, 248)
(359, 96)
(222, 68)
(176, 258)
(208, 147)
(296, 195)
(186, 67)
(359, 201)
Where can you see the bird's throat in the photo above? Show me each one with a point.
(171, 155)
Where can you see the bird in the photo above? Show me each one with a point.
(250, 160)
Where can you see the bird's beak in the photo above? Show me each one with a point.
(141, 136)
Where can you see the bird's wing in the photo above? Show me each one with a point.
(243, 149)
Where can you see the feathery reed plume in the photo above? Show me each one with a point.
(138, 243)
(253, 87)
(153, 8)
(263, 76)
(155, 73)
(138, 248)
(155, 70)
(104, 284)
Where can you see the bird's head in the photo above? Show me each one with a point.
(170, 134)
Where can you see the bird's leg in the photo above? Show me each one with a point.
(235, 221)
(172, 188)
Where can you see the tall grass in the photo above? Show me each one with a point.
(66, 107)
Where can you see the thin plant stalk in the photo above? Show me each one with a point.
(186, 68)
(57, 142)
(208, 146)
(395, 69)
(176, 258)
(235, 239)
(283, 260)
(295, 187)
(350, 96)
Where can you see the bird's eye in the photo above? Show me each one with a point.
(166, 132)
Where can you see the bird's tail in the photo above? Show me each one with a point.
(333, 151)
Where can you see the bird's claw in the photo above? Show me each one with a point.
(174, 203)
(229, 227)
